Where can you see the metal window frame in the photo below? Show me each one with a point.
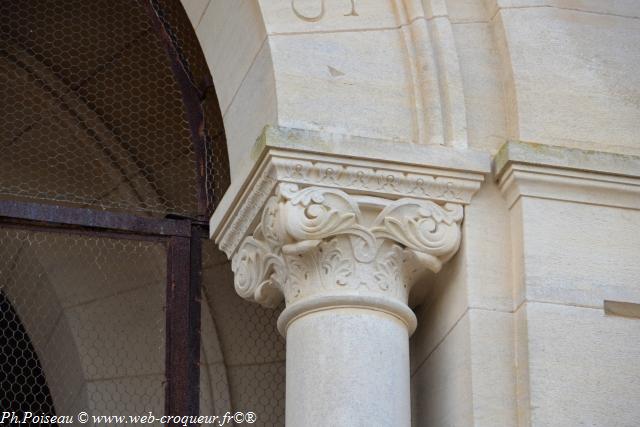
(183, 240)
(192, 98)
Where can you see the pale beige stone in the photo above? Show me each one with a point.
(562, 214)
(346, 83)
(630, 8)
(253, 107)
(517, 253)
(493, 372)
(523, 383)
(332, 354)
(574, 227)
(450, 81)
(468, 280)
(342, 237)
(598, 271)
(461, 11)
(443, 308)
(469, 378)
(433, 8)
(281, 18)
(423, 64)
(576, 77)
(195, 9)
(562, 158)
(231, 34)
(441, 385)
(560, 72)
(487, 251)
(480, 67)
(583, 366)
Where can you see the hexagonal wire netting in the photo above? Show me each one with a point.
(92, 112)
(242, 364)
(109, 104)
(82, 324)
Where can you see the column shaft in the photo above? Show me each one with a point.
(348, 367)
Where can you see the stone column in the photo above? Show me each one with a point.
(342, 240)
(345, 265)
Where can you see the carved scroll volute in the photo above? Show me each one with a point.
(313, 214)
(299, 228)
(431, 231)
(258, 273)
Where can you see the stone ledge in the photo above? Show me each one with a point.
(528, 153)
(405, 153)
(567, 174)
(367, 167)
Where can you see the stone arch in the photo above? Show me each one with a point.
(381, 70)
(234, 40)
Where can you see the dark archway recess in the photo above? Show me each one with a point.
(23, 387)
(110, 128)
(191, 72)
(108, 104)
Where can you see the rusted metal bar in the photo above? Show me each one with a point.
(43, 227)
(195, 297)
(184, 269)
(192, 97)
(79, 218)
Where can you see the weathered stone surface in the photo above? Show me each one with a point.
(406, 90)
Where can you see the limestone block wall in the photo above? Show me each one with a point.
(571, 71)
(380, 69)
(576, 358)
(460, 73)
(513, 330)
(463, 351)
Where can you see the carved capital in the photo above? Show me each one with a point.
(354, 225)
(320, 244)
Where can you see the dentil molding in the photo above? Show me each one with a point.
(320, 225)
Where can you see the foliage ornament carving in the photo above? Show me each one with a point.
(326, 221)
(317, 242)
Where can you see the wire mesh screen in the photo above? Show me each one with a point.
(243, 355)
(81, 324)
(192, 62)
(92, 113)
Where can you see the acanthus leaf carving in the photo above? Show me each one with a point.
(335, 266)
(317, 239)
(388, 269)
(316, 213)
(422, 226)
